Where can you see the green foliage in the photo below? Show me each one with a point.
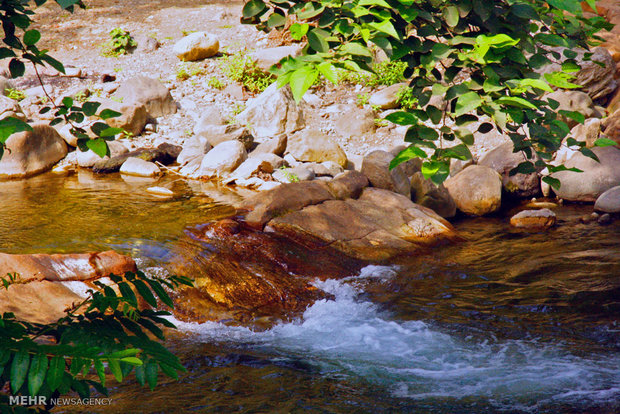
(15, 94)
(405, 98)
(240, 67)
(362, 99)
(110, 332)
(482, 57)
(120, 43)
(186, 71)
(20, 46)
(215, 83)
(289, 175)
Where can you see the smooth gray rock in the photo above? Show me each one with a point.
(502, 159)
(609, 201)
(222, 159)
(376, 166)
(149, 92)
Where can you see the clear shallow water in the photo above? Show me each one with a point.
(504, 322)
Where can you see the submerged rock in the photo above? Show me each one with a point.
(534, 219)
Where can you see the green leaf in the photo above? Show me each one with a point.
(99, 146)
(31, 37)
(605, 142)
(90, 108)
(301, 80)
(115, 369)
(310, 10)
(160, 292)
(574, 115)
(36, 374)
(299, 30)
(150, 372)
(329, 71)
(19, 369)
(17, 68)
(405, 155)
(55, 372)
(572, 6)
(252, 8)
(381, 3)
(276, 20)
(467, 103)
(561, 80)
(356, 49)
(402, 118)
(451, 15)
(385, 27)
(553, 182)
(316, 40)
(99, 367)
(127, 293)
(67, 101)
(145, 292)
(108, 113)
(515, 101)
(136, 362)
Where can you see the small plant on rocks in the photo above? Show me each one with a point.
(120, 44)
(405, 98)
(15, 94)
(185, 72)
(215, 83)
(240, 67)
(362, 99)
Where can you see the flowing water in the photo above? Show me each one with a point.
(506, 321)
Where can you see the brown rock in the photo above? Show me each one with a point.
(534, 219)
(436, 197)
(477, 190)
(148, 92)
(376, 166)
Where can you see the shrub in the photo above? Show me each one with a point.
(120, 43)
(240, 67)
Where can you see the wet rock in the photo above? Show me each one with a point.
(312, 145)
(32, 152)
(114, 164)
(387, 98)
(86, 159)
(272, 113)
(502, 159)
(172, 150)
(149, 92)
(160, 191)
(534, 219)
(139, 168)
(222, 159)
(609, 201)
(50, 281)
(196, 46)
(477, 190)
(605, 219)
(376, 166)
(595, 179)
(436, 197)
(377, 226)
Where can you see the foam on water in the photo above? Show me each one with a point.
(354, 337)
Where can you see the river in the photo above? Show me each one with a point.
(507, 321)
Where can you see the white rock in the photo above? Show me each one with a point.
(223, 158)
(161, 191)
(139, 167)
(196, 46)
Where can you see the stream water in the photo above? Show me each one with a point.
(506, 321)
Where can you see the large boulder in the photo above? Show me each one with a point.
(611, 126)
(275, 146)
(222, 159)
(477, 190)
(378, 225)
(609, 201)
(133, 118)
(196, 46)
(574, 101)
(260, 163)
(194, 148)
(149, 92)
(376, 166)
(596, 74)
(502, 159)
(32, 152)
(272, 113)
(50, 283)
(312, 145)
(216, 134)
(355, 122)
(595, 179)
(436, 197)
(291, 197)
(387, 98)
